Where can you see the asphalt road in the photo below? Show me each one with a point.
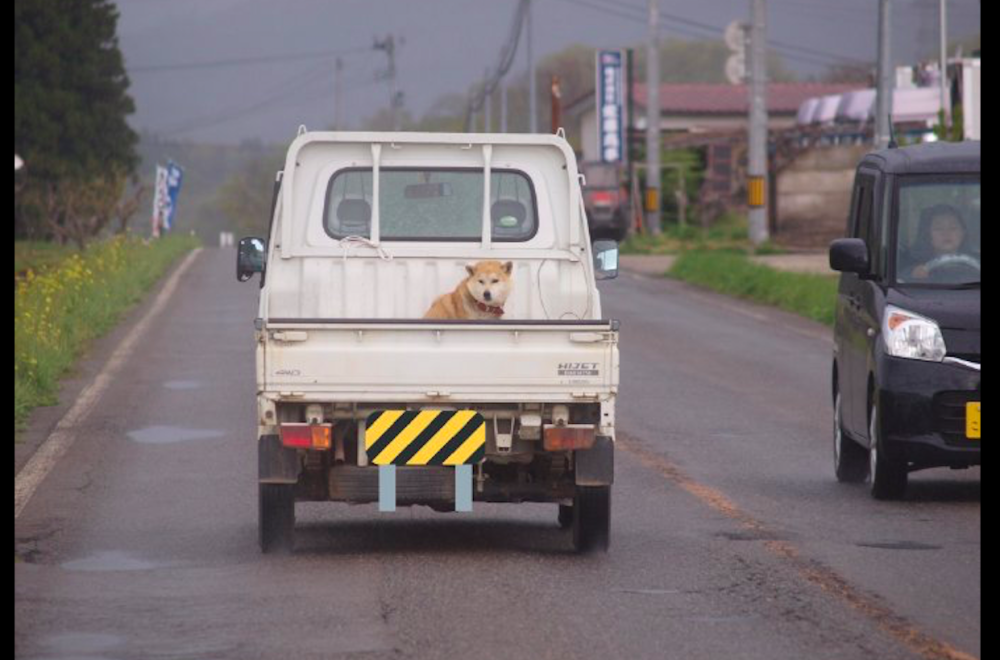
(731, 539)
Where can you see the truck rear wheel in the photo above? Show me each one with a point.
(592, 519)
(565, 516)
(276, 517)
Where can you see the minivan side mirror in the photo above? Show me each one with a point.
(605, 260)
(250, 258)
(850, 255)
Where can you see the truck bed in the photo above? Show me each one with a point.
(378, 360)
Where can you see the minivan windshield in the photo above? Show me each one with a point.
(939, 231)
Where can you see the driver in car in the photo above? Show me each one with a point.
(942, 240)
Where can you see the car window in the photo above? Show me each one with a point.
(430, 204)
(939, 230)
(864, 201)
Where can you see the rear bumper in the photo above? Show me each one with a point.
(923, 407)
(434, 486)
(608, 221)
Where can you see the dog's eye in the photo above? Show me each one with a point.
(495, 281)
(482, 282)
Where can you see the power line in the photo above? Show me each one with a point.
(696, 29)
(245, 61)
(774, 43)
(279, 94)
(508, 54)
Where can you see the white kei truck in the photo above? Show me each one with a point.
(360, 398)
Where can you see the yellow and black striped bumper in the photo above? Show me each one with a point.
(426, 437)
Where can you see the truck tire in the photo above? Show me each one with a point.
(565, 516)
(592, 519)
(276, 517)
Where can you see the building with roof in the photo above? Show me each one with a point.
(699, 108)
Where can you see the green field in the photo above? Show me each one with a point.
(732, 273)
(64, 299)
(729, 232)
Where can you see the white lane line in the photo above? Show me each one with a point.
(61, 439)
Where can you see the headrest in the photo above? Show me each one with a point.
(508, 209)
(354, 215)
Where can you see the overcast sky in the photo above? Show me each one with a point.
(229, 70)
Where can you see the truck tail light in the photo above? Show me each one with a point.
(307, 436)
(603, 198)
(566, 438)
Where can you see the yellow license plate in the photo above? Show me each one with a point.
(972, 420)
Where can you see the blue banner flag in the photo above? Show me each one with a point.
(175, 179)
(611, 105)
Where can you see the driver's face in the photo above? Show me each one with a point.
(947, 234)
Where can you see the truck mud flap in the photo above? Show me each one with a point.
(596, 466)
(277, 463)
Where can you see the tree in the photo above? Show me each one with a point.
(245, 199)
(70, 107)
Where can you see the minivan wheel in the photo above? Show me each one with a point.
(850, 460)
(276, 517)
(887, 477)
(592, 519)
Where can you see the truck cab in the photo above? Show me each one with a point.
(368, 229)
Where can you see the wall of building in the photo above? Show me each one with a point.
(587, 126)
(814, 195)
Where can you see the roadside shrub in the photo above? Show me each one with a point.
(731, 273)
(59, 310)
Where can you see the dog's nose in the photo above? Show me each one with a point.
(487, 295)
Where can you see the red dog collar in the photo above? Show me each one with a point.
(495, 311)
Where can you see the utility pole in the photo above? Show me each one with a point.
(653, 121)
(556, 92)
(945, 96)
(629, 126)
(532, 79)
(389, 46)
(883, 98)
(487, 103)
(757, 166)
(338, 94)
(503, 105)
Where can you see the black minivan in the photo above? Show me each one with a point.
(906, 367)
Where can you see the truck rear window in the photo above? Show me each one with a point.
(431, 204)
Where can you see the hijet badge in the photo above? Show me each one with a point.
(590, 369)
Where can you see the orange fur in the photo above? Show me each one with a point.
(487, 286)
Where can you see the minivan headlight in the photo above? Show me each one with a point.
(911, 336)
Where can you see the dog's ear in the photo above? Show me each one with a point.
(470, 269)
(508, 267)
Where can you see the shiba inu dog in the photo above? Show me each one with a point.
(480, 296)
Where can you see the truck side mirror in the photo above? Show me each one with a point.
(605, 260)
(250, 258)
(850, 255)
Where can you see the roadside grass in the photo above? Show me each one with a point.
(732, 273)
(63, 300)
(38, 256)
(729, 232)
